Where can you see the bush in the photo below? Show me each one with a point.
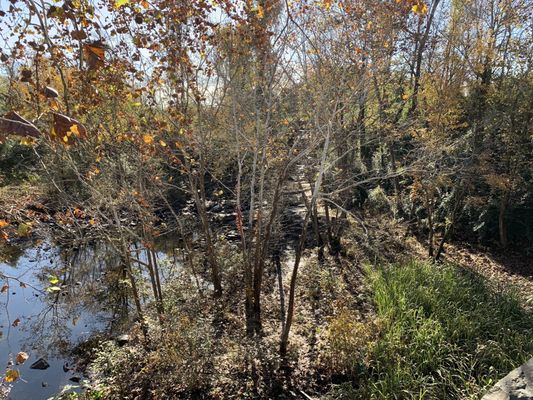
(378, 200)
(346, 344)
(178, 364)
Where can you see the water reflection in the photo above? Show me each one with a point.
(46, 323)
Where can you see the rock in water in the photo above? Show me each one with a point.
(40, 364)
(517, 385)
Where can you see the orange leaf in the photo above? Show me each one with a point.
(95, 55)
(148, 139)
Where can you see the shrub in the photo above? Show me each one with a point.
(346, 342)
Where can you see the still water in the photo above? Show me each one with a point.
(51, 299)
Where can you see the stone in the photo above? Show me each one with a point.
(41, 363)
(123, 339)
(517, 385)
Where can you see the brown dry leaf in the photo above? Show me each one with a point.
(4, 288)
(21, 357)
(13, 124)
(95, 55)
(16, 322)
(63, 126)
(78, 35)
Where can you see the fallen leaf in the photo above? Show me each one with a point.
(16, 322)
(24, 230)
(21, 357)
(4, 288)
(148, 139)
(12, 375)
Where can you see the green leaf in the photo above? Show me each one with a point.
(23, 230)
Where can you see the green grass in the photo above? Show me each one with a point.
(444, 335)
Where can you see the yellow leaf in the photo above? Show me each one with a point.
(148, 139)
(3, 223)
(260, 12)
(92, 221)
(54, 104)
(145, 4)
(74, 130)
(162, 143)
(21, 357)
(65, 139)
(405, 97)
(27, 141)
(12, 375)
(120, 3)
(420, 8)
(24, 230)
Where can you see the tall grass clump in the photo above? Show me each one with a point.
(445, 334)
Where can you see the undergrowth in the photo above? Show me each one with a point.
(444, 334)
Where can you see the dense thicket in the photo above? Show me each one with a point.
(136, 117)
